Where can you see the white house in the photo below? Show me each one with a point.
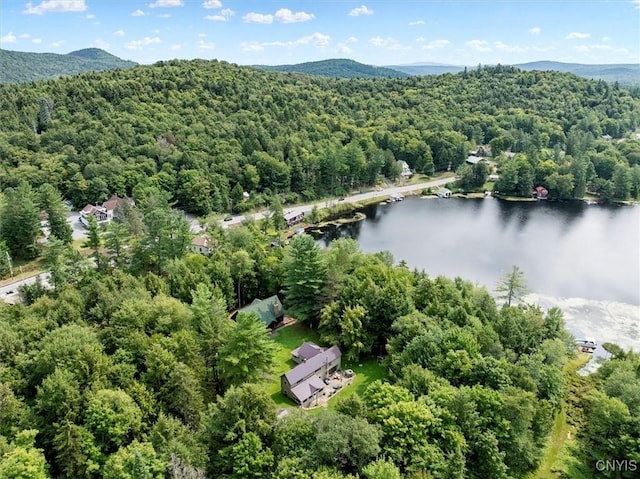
(102, 213)
(406, 171)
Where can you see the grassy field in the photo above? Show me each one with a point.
(557, 453)
(289, 338)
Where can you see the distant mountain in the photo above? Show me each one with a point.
(626, 73)
(623, 73)
(21, 67)
(337, 68)
(426, 68)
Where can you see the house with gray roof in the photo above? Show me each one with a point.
(306, 351)
(269, 310)
(305, 383)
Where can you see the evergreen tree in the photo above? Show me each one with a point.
(512, 286)
(305, 278)
(19, 222)
(51, 202)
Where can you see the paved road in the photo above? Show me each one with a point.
(9, 293)
(382, 194)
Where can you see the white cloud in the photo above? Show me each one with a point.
(318, 40)
(119, 33)
(166, 3)
(37, 41)
(137, 13)
(388, 43)
(637, 3)
(57, 44)
(574, 35)
(417, 22)
(534, 31)
(25, 35)
(251, 47)
(224, 15)
(435, 44)
(362, 10)
(155, 31)
(202, 35)
(344, 48)
(479, 45)
(284, 15)
(139, 44)
(8, 38)
(508, 48)
(59, 6)
(100, 43)
(202, 45)
(89, 16)
(352, 40)
(420, 40)
(212, 4)
(608, 39)
(253, 17)
(164, 15)
(175, 48)
(597, 47)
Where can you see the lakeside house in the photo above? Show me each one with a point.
(103, 213)
(293, 218)
(444, 193)
(406, 171)
(540, 192)
(269, 310)
(306, 382)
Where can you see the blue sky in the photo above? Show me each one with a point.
(383, 32)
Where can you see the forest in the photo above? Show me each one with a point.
(128, 366)
(207, 131)
(125, 363)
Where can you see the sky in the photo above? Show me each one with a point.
(382, 32)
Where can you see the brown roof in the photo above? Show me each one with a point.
(200, 241)
(112, 202)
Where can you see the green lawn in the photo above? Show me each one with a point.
(289, 338)
(367, 371)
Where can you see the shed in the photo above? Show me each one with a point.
(444, 193)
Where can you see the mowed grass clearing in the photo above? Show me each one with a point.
(289, 338)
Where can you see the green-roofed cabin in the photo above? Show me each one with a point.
(269, 310)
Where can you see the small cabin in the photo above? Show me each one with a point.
(269, 310)
(444, 193)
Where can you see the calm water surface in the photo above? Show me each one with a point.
(584, 258)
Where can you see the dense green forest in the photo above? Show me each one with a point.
(133, 369)
(125, 364)
(207, 131)
(337, 68)
(23, 67)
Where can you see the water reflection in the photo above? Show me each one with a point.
(565, 249)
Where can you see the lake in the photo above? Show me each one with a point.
(583, 258)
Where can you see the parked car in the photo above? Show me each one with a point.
(228, 218)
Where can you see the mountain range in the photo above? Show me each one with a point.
(342, 68)
(21, 67)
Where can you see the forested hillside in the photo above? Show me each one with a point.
(200, 129)
(337, 68)
(125, 364)
(23, 67)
